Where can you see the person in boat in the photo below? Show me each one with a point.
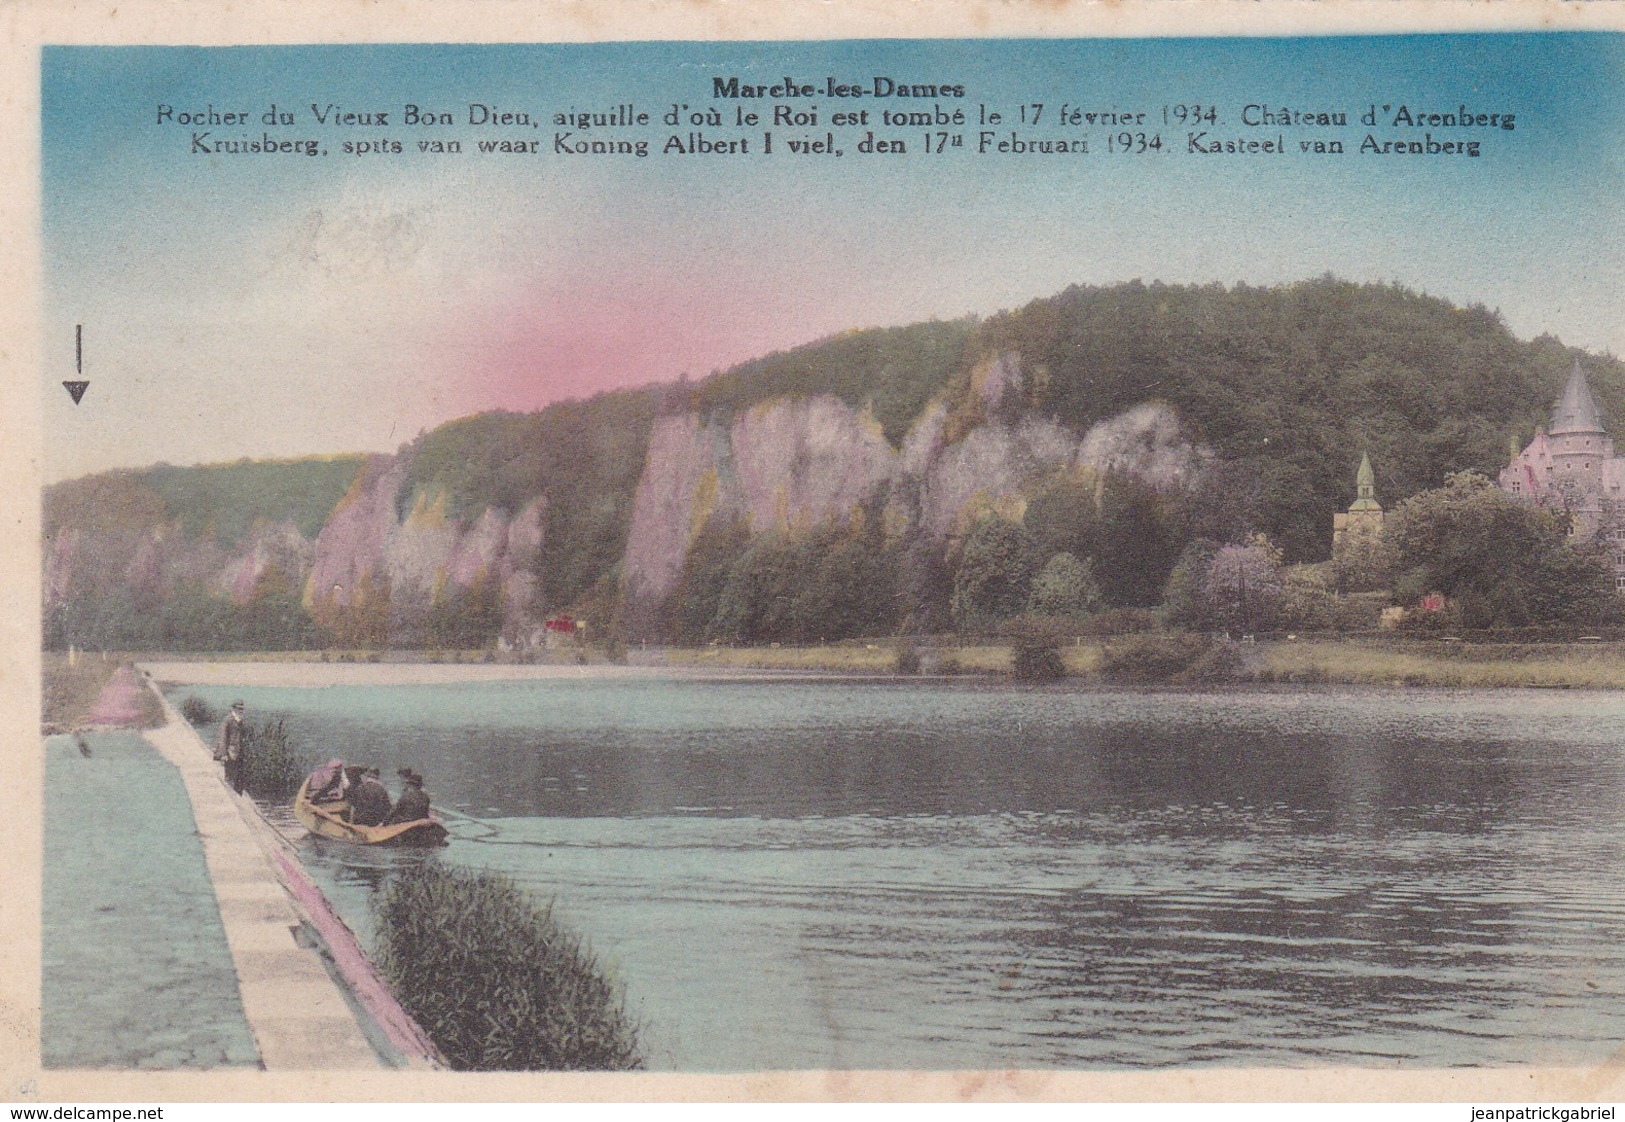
(328, 783)
(230, 748)
(414, 801)
(369, 799)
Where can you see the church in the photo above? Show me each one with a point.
(1573, 459)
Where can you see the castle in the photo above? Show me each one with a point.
(1573, 460)
(1570, 461)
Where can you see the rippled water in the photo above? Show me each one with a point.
(799, 873)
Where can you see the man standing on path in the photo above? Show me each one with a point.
(229, 749)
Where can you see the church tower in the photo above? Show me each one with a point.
(1363, 520)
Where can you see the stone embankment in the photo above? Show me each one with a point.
(309, 997)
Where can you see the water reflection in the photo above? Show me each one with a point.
(929, 875)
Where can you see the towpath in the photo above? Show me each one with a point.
(172, 940)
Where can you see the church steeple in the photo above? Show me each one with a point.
(1576, 410)
(1365, 486)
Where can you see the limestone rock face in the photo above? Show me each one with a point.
(782, 464)
(426, 554)
(793, 463)
(787, 464)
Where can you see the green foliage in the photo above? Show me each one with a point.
(1035, 659)
(1284, 382)
(190, 618)
(1064, 587)
(1239, 588)
(995, 574)
(274, 768)
(894, 371)
(584, 457)
(1501, 562)
(1364, 563)
(1307, 603)
(1130, 535)
(466, 618)
(496, 982)
(1120, 621)
(719, 545)
(227, 499)
(833, 583)
(1184, 597)
(1162, 659)
(198, 712)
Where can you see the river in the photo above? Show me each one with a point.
(877, 873)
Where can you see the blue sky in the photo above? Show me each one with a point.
(284, 305)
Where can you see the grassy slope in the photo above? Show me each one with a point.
(70, 692)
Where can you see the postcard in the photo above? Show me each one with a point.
(990, 553)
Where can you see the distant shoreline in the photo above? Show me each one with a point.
(1311, 661)
(312, 674)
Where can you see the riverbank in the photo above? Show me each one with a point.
(1433, 663)
(170, 938)
(1385, 661)
(94, 691)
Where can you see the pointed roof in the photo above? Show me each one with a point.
(1365, 486)
(1576, 410)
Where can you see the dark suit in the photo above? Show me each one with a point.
(369, 802)
(411, 806)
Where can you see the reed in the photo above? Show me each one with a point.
(197, 711)
(274, 767)
(493, 978)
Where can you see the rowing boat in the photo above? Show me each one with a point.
(327, 820)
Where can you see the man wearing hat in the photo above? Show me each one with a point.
(414, 801)
(230, 748)
(369, 799)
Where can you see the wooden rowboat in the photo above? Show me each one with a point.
(327, 820)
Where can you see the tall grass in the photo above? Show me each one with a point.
(494, 980)
(197, 711)
(275, 768)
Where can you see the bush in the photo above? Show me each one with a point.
(1037, 660)
(197, 711)
(274, 768)
(494, 980)
(1146, 659)
(1221, 662)
(906, 660)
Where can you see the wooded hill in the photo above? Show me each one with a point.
(1288, 385)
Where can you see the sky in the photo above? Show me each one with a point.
(280, 304)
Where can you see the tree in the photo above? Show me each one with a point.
(995, 574)
(1065, 586)
(1130, 533)
(1504, 562)
(1238, 587)
(1363, 563)
(1245, 587)
(711, 557)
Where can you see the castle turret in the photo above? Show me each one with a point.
(1572, 460)
(1576, 411)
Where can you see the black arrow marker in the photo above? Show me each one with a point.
(76, 390)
